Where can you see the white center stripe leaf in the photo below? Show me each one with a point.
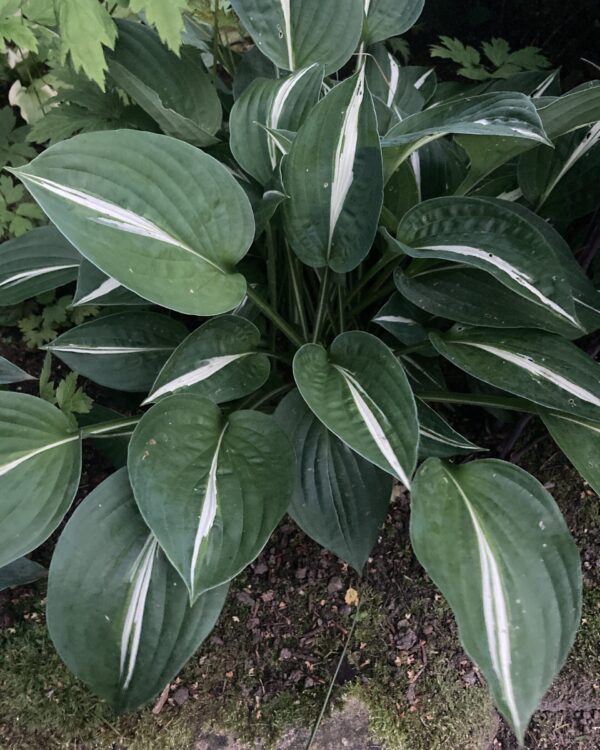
(361, 400)
(112, 215)
(277, 109)
(539, 371)
(495, 611)
(287, 31)
(466, 252)
(107, 286)
(141, 573)
(206, 369)
(497, 546)
(26, 275)
(343, 169)
(76, 349)
(592, 137)
(10, 465)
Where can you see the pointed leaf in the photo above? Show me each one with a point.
(164, 219)
(437, 438)
(219, 360)
(403, 320)
(124, 351)
(40, 464)
(294, 34)
(333, 177)
(176, 91)
(123, 624)
(388, 18)
(541, 367)
(281, 104)
(496, 544)
(21, 572)
(579, 440)
(575, 109)
(340, 500)
(98, 289)
(211, 488)
(360, 392)
(490, 235)
(34, 263)
(10, 373)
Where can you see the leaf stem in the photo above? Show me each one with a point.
(512, 403)
(296, 291)
(275, 318)
(107, 428)
(322, 305)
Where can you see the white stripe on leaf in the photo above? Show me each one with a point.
(140, 576)
(287, 32)
(343, 168)
(5, 468)
(204, 371)
(394, 80)
(208, 513)
(361, 398)
(111, 215)
(495, 611)
(82, 349)
(105, 288)
(591, 138)
(277, 107)
(438, 438)
(466, 251)
(33, 273)
(538, 371)
(395, 319)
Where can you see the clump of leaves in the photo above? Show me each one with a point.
(498, 59)
(65, 394)
(51, 315)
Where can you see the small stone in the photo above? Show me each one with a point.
(335, 584)
(181, 696)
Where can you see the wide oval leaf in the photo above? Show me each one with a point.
(219, 360)
(495, 543)
(490, 235)
(539, 366)
(387, 18)
(340, 500)
(333, 176)
(211, 488)
(267, 106)
(294, 34)
(359, 390)
(117, 611)
(34, 263)
(175, 90)
(124, 351)
(40, 464)
(163, 218)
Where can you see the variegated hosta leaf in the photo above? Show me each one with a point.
(35, 262)
(437, 438)
(333, 177)
(164, 219)
(387, 18)
(424, 373)
(40, 464)
(488, 234)
(98, 289)
(401, 88)
(539, 366)
(294, 34)
(579, 440)
(495, 543)
(10, 373)
(118, 612)
(175, 90)
(340, 500)
(359, 390)
(499, 114)
(124, 351)
(549, 179)
(274, 105)
(20, 572)
(211, 488)
(575, 109)
(219, 360)
(404, 320)
(467, 295)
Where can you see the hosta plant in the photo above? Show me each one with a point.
(297, 269)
